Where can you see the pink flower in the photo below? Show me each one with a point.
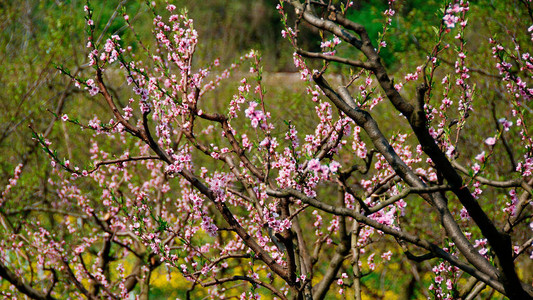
(506, 124)
(449, 284)
(314, 165)
(94, 90)
(334, 166)
(64, 118)
(387, 255)
(481, 243)
(256, 116)
(490, 141)
(481, 156)
(450, 20)
(398, 86)
(464, 214)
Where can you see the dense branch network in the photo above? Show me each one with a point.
(233, 195)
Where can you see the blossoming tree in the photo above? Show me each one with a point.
(244, 201)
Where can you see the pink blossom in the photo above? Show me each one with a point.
(255, 116)
(438, 279)
(334, 166)
(490, 141)
(506, 124)
(464, 214)
(398, 86)
(481, 156)
(314, 165)
(450, 20)
(481, 243)
(387, 255)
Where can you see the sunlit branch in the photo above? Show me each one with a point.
(245, 278)
(415, 240)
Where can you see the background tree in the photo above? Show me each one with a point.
(219, 184)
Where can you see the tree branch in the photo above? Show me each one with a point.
(246, 278)
(24, 288)
(415, 240)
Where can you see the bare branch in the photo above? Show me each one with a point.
(415, 240)
(245, 278)
(333, 58)
(24, 288)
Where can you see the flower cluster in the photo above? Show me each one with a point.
(450, 19)
(12, 182)
(257, 117)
